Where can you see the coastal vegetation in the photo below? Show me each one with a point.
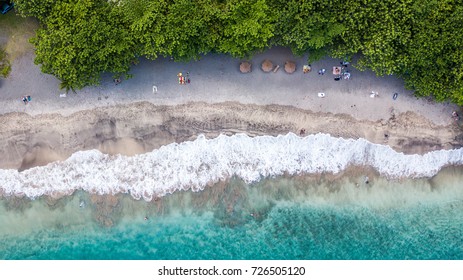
(419, 41)
(15, 32)
(5, 66)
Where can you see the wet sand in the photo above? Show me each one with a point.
(27, 141)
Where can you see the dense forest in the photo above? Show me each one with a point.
(420, 41)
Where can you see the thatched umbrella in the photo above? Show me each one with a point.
(267, 66)
(290, 67)
(245, 67)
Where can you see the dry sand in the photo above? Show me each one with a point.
(216, 78)
(124, 118)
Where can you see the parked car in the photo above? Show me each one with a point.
(5, 7)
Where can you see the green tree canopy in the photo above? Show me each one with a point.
(306, 26)
(246, 27)
(146, 21)
(435, 53)
(182, 29)
(379, 30)
(80, 40)
(417, 40)
(40, 9)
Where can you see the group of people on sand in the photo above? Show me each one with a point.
(341, 72)
(183, 80)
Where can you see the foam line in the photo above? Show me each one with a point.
(194, 164)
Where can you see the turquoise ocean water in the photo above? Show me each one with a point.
(279, 218)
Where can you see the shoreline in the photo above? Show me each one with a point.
(194, 165)
(347, 188)
(28, 141)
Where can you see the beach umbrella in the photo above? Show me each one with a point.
(267, 66)
(245, 67)
(290, 67)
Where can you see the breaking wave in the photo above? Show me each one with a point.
(195, 164)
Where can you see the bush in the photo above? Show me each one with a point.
(5, 67)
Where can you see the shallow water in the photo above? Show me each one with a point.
(297, 217)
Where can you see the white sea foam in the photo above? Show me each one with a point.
(194, 164)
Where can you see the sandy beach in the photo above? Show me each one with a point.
(107, 205)
(231, 165)
(152, 109)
